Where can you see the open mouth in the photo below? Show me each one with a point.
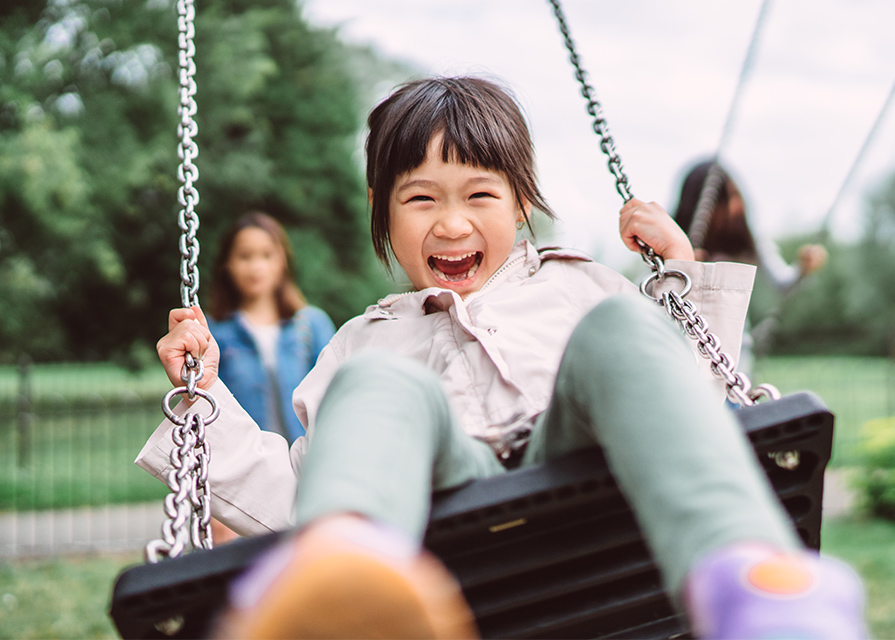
(456, 268)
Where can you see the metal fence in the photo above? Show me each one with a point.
(69, 434)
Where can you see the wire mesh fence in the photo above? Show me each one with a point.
(69, 434)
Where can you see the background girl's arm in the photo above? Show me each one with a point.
(322, 331)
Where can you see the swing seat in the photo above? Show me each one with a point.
(551, 551)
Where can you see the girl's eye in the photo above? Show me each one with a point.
(420, 199)
(481, 194)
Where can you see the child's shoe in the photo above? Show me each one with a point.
(348, 579)
(752, 592)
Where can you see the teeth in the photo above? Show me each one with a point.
(457, 278)
(455, 258)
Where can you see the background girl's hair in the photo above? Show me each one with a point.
(481, 125)
(722, 237)
(225, 298)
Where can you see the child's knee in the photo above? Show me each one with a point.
(378, 368)
(620, 317)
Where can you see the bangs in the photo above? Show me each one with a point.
(470, 135)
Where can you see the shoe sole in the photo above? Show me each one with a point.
(355, 595)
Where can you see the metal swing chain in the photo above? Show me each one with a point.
(188, 506)
(739, 387)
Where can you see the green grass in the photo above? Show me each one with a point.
(59, 598)
(855, 389)
(81, 458)
(70, 384)
(68, 597)
(86, 424)
(869, 546)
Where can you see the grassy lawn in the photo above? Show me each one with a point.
(87, 422)
(869, 546)
(65, 598)
(855, 389)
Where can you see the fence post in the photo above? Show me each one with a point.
(25, 417)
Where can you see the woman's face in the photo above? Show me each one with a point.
(257, 263)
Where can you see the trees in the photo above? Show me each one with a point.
(849, 306)
(88, 113)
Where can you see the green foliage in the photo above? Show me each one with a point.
(876, 480)
(848, 307)
(88, 123)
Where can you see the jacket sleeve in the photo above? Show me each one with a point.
(309, 394)
(253, 474)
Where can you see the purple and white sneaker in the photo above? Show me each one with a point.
(756, 593)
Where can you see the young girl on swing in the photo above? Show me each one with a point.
(500, 354)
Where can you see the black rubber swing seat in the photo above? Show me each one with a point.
(551, 551)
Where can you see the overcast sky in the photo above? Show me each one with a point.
(665, 73)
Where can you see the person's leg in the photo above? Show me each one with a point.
(383, 440)
(628, 380)
(724, 545)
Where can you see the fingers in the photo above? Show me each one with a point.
(652, 224)
(194, 313)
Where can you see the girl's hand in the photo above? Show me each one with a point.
(188, 333)
(652, 224)
(811, 258)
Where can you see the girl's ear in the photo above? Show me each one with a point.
(524, 212)
(370, 195)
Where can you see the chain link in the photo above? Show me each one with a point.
(188, 506)
(739, 387)
(187, 150)
(601, 128)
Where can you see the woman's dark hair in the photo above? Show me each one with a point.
(225, 298)
(726, 235)
(480, 123)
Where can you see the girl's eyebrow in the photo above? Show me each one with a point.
(431, 184)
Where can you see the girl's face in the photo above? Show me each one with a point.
(256, 263)
(451, 225)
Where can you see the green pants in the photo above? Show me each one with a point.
(385, 438)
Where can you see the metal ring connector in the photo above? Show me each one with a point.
(173, 417)
(655, 277)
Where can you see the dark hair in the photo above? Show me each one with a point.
(481, 125)
(225, 298)
(722, 237)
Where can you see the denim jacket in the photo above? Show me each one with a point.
(301, 339)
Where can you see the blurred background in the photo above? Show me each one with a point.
(89, 261)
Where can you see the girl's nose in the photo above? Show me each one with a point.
(452, 224)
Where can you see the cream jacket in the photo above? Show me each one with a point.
(496, 352)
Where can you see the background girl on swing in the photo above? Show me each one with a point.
(728, 237)
(501, 355)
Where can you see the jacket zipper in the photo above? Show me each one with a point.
(496, 275)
